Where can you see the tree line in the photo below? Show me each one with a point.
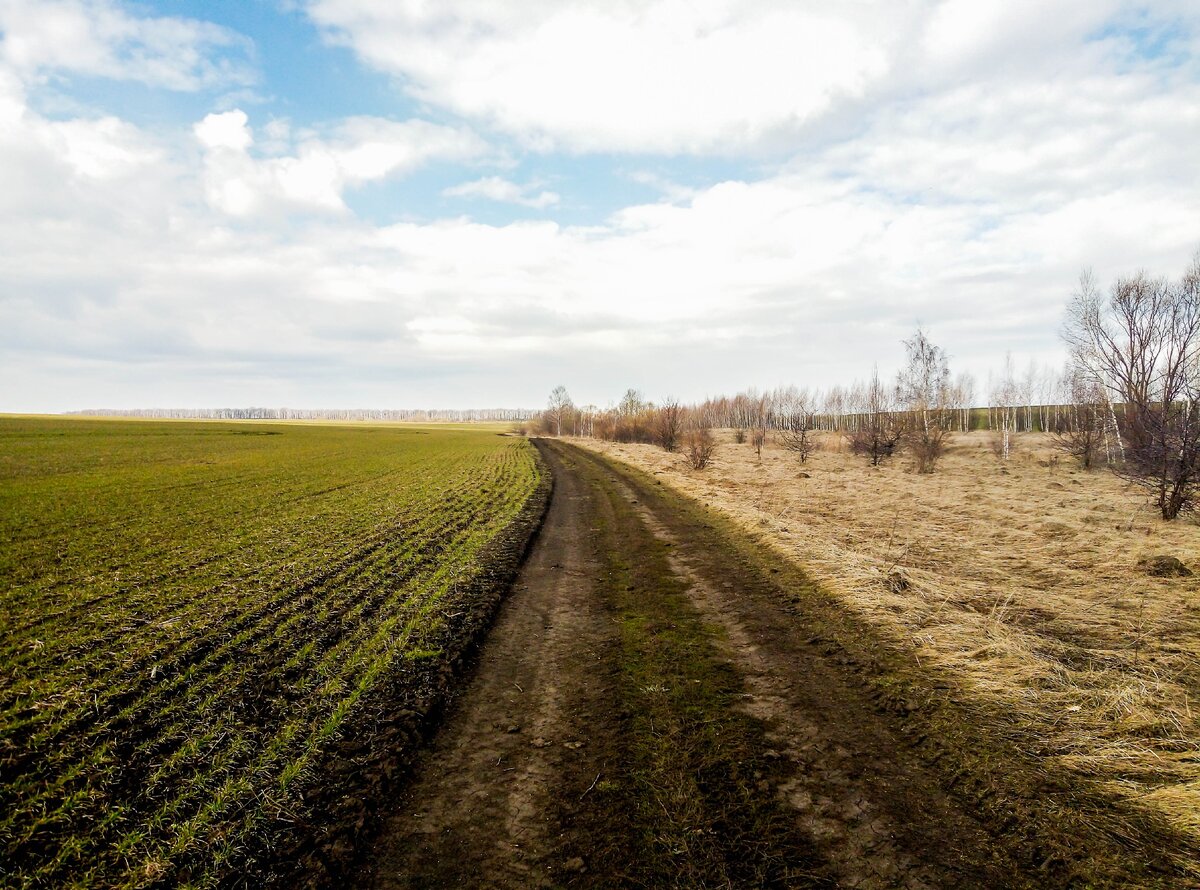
(413, 415)
(1128, 398)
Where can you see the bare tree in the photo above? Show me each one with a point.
(587, 420)
(1027, 388)
(559, 408)
(759, 419)
(1141, 344)
(795, 432)
(668, 421)
(795, 424)
(923, 386)
(963, 395)
(632, 403)
(834, 408)
(878, 431)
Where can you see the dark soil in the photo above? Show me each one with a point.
(659, 704)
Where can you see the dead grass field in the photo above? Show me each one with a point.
(1022, 588)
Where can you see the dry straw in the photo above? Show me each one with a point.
(1017, 579)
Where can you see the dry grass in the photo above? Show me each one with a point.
(1022, 587)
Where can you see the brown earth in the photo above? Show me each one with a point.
(662, 703)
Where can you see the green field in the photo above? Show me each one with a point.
(206, 628)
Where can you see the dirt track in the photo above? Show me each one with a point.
(649, 711)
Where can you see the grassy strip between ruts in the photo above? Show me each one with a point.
(219, 638)
(1069, 829)
(689, 780)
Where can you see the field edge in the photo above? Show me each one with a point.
(362, 771)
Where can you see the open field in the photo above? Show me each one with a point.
(1017, 588)
(218, 638)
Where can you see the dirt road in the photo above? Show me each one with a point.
(653, 709)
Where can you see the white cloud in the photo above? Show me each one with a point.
(668, 188)
(314, 177)
(720, 77)
(1025, 145)
(227, 130)
(117, 274)
(636, 76)
(496, 188)
(12, 98)
(83, 168)
(98, 37)
(964, 187)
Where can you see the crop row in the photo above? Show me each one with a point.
(195, 619)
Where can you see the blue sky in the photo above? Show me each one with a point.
(359, 202)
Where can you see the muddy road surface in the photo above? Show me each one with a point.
(657, 707)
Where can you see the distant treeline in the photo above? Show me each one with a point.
(419, 415)
(1128, 398)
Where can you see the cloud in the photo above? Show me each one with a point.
(79, 171)
(320, 167)
(122, 273)
(671, 190)
(964, 186)
(227, 130)
(1027, 145)
(99, 38)
(727, 77)
(495, 188)
(651, 77)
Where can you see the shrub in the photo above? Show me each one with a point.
(928, 445)
(878, 429)
(796, 433)
(700, 447)
(667, 424)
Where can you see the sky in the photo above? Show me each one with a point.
(463, 203)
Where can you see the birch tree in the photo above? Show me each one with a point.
(1005, 399)
(923, 385)
(796, 423)
(559, 407)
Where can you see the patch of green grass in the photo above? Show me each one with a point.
(195, 613)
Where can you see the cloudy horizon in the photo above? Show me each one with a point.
(358, 203)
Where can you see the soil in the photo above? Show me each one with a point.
(653, 708)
